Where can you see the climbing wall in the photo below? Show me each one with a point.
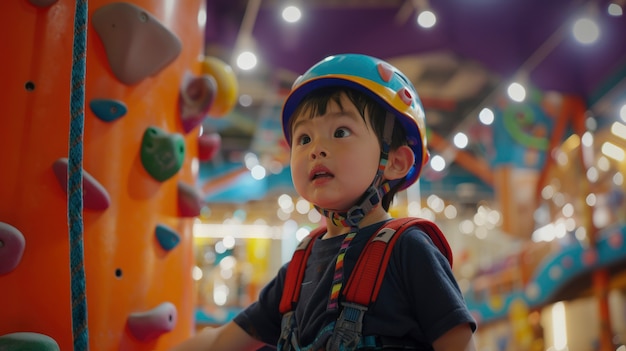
(147, 90)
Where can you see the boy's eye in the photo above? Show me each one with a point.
(342, 132)
(304, 139)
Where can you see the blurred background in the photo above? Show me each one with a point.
(526, 113)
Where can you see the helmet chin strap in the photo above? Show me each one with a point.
(374, 193)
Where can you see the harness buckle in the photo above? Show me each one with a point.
(348, 328)
(284, 342)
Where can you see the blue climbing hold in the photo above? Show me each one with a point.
(168, 239)
(107, 110)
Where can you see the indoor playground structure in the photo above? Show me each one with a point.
(131, 215)
(100, 143)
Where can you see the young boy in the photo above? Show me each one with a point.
(356, 129)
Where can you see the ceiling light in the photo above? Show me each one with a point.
(246, 60)
(587, 139)
(618, 179)
(245, 100)
(586, 30)
(426, 19)
(613, 151)
(485, 116)
(615, 10)
(461, 140)
(291, 14)
(516, 92)
(202, 18)
(258, 172)
(437, 163)
(618, 130)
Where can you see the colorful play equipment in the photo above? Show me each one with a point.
(553, 272)
(100, 144)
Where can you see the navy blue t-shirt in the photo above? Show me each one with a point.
(419, 298)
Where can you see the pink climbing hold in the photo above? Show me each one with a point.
(149, 325)
(208, 145)
(95, 196)
(196, 96)
(189, 200)
(12, 245)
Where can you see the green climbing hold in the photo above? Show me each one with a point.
(162, 153)
(25, 341)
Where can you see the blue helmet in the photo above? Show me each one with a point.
(376, 78)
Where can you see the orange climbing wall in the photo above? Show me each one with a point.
(34, 131)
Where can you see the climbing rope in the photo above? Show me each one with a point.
(75, 179)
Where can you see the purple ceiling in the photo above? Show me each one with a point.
(501, 35)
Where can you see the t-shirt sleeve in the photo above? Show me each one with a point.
(435, 297)
(261, 319)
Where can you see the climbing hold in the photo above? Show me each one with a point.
(149, 325)
(195, 98)
(107, 110)
(167, 238)
(189, 200)
(42, 3)
(12, 245)
(208, 145)
(162, 154)
(95, 196)
(227, 86)
(26, 341)
(137, 45)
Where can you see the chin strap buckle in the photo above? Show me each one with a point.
(368, 201)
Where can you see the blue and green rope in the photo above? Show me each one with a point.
(75, 179)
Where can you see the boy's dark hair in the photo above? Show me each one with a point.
(316, 103)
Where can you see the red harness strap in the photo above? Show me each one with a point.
(365, 281)
(295, 271)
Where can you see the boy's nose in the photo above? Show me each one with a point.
(318, 153)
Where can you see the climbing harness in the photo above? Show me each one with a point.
(359, 293)
(75, 179)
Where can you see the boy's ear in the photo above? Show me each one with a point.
(400, 162)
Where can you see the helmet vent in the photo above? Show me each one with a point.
(385, 71)
(405, 95)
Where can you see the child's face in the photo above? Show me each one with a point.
(334, 157)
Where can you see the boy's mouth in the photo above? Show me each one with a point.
(320, 172)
